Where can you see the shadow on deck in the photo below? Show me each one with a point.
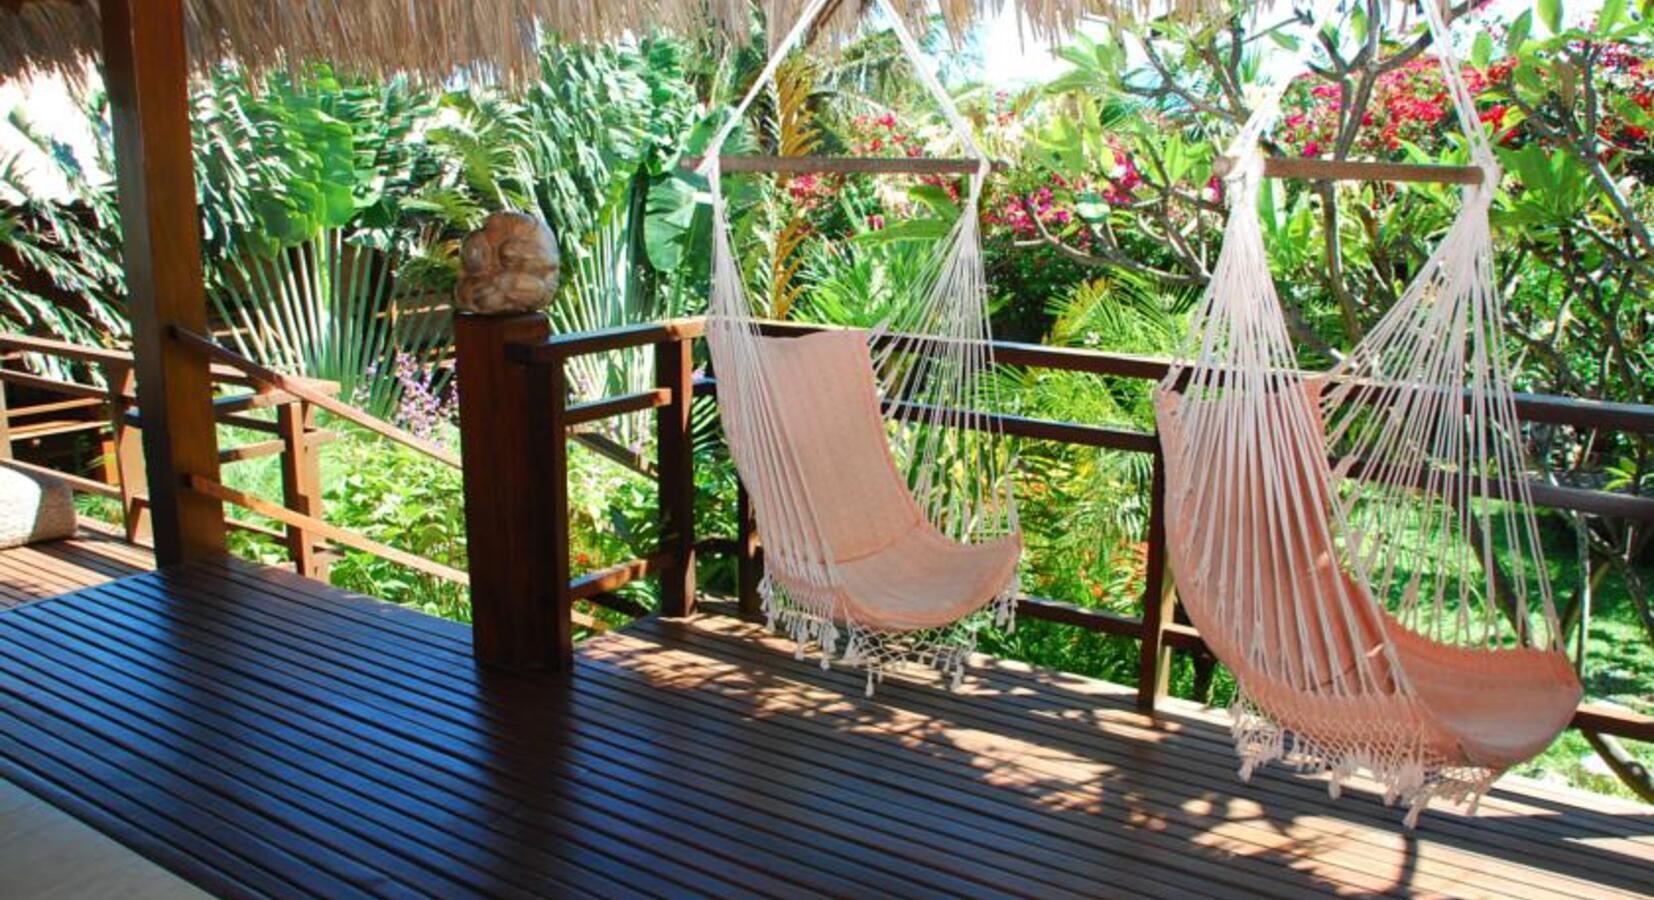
(262, 734)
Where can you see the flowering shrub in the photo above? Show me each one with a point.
(424, 407)
(1410, 105)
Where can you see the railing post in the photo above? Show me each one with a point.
(516, 481)
(1154, 665)
(674, 370)
(749, 559)
(301, 483)
(127, 450)
(5, 425)
(547, 411)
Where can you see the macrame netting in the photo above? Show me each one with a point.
(880, 485)
(1360, 547)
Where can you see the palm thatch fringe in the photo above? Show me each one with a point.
(491, 40)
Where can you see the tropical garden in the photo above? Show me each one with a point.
(332, 209)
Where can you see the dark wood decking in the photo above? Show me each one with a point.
(262, 734)
(95, 555)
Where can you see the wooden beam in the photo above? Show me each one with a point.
(255, 450)
(301, 484)
(597, 410)
(1614, 720)
(44, 409)
(563, 347)
(674, 373)
(146, 73)
(52, 385)
(334, 533)
(1154, 662)
(65, 349)
(623, 605)
(612, 578)
(78, 482)
(749, 556)
(5, 425)
(1356, 170)
(844, 165)
(127, 449)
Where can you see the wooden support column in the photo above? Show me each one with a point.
(146, 72)
(1155, 663)
(5, 425)
(674, 370)
(515, 450)
(749, 557)
(301, 483)
(126, 451)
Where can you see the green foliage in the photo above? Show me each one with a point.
(60, 274)
(403, 498)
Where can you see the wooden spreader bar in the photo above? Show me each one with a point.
(1355, 170)
(798, 165)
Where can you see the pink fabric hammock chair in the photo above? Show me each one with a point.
(1389, 610)
(882, 496)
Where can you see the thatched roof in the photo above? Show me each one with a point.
(435, 38)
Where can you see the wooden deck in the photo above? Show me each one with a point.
(260, 734)
(97, 554)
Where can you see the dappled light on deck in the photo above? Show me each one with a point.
(253, 730)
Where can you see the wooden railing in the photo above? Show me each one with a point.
(515, 424)
(110, 412)
(518, 417)
(300, 512)
(293, 435)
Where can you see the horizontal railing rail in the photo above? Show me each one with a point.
(307, 390)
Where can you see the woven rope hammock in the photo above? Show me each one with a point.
(1360, 547)
(881, 492)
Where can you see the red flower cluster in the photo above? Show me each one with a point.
(810, 190)
(1411, 105)
(882, 135)
(1016, 212)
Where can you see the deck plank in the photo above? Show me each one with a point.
(260, 734)
(96, 554)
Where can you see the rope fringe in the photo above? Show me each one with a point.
(813, 621)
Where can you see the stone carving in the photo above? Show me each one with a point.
(508, 265)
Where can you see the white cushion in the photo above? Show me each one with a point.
(33, 508)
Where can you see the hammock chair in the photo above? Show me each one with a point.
(1301, 509)
(881, 493)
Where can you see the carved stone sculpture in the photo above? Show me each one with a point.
(508, 265)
